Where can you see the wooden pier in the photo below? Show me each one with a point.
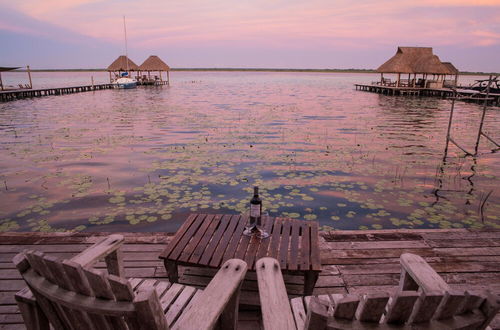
(18, 94)
(462, 95)
(352, 261)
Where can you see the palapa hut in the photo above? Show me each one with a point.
(120, 65)
(154, 64)
(415, 61)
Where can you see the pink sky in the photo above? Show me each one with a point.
(270, 33)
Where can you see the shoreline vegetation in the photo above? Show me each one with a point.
(250, 70)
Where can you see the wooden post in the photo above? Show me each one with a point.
(381, 78)
(110, 80)
(92, 78)
(168, 77)
(1, 84)
(29, 76)
(399, 78)
(160, 76)
(483, 115)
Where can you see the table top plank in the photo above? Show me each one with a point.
(305, 246)
(179, 234)
(315, 260)
(253, 246)
(284, 244)
(235, 239)
(209, 250)
(223, 244)
(294, 245)
(198, 252)
(183, 242)
(196, 238)
(242, 247)
(275, 238)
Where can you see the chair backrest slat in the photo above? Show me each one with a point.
(299, 312)
(122, 290)
(345, 306)
(149, 311)
(473, 301)
(372, 306)
(81, 285)
(450, 305)
(426, 306)
(317, 315)
(400, 307)
(102, 289)
(489, 308)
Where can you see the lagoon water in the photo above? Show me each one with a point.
(141, 160)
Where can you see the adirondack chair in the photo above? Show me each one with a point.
(422, 301)
(71, 295)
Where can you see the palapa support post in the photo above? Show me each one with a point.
(1, 83)
(168, 78)
(29, 76)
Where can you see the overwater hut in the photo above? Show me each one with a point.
(154, 64)
(415, 62)
(4, 69)
(120, 65)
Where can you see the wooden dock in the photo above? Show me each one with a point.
(462, 95)
(18, 94)
(352, 261)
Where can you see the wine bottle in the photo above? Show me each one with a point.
(255, 208)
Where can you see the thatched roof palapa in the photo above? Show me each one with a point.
(154, 63)
(451, 67)
(120, 64)
(414, 60)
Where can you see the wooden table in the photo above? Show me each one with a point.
(208, 240)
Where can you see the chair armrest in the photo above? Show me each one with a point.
(416, 271)
(106, 247)
(223, 289)
(275, 306)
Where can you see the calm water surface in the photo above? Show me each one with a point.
(141, 160)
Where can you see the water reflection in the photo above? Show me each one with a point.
(319, 150)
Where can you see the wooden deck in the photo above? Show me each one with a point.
(352, 261)
(19, 94)
(462, 94)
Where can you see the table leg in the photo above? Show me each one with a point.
(171, 267)
(310, 279)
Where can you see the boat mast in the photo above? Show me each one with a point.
(126, 50)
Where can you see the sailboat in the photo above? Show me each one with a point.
(125, 81)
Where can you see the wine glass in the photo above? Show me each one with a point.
(260, 225)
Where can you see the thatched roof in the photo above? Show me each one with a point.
(451, 67)
(414, 60)
(5, 68)
(120, 64)
(154, 63)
